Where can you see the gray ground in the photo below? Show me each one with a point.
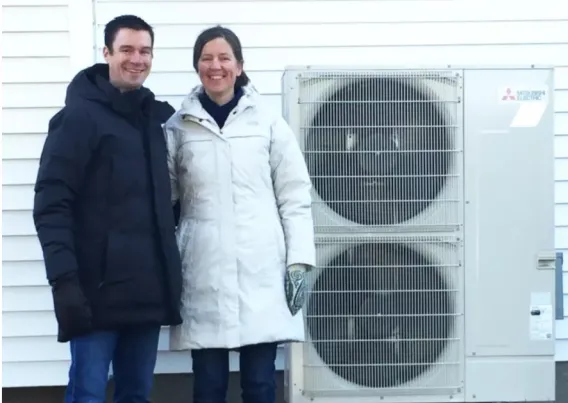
(177, 389)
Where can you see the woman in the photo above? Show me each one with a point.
(245, 232)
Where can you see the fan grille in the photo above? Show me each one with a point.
(379, 315)
(379, 148)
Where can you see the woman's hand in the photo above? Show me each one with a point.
(295, 287)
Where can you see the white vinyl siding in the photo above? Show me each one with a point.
(36, 65)
(274, 34)
(561, 194)
(44, 42)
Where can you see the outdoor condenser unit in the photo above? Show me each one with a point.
(433, 203)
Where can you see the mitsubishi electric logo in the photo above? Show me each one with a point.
(530, 104)
(508, 95)
(512, 94)
(531, 95)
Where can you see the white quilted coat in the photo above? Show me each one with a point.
(245, 217)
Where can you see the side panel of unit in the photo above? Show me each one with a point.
(509, 234)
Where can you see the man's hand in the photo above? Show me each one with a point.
(71, 308)
(295, 287)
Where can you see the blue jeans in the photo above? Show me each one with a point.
(257, 371)
(133, 356)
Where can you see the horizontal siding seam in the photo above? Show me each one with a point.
(401, 22)
(38, 5)
(355, 45)
(43, 31)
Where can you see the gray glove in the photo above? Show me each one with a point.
(295, 287)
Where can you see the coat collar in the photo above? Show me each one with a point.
(191, 107)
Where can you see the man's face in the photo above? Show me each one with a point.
(130, 59)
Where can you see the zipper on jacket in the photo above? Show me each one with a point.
(105, 262)
(107, 224)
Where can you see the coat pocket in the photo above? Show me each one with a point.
(198, 159)
(280, 239)
(185, 239)
(132, 274)
(250, 156)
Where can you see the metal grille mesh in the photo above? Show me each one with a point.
(384, 154)
(381, 149)
(381, 314)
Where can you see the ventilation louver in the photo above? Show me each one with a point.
(379, 149)
(382, 154)
(380, 315)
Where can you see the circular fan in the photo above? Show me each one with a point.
(379, 315)
(377, 150)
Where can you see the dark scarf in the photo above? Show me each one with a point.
(220, 112)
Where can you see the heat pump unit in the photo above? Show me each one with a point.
(433, 197)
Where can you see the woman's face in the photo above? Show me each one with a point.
(218, 68)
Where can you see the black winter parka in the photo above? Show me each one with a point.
(102, 206)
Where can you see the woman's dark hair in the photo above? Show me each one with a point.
(233, 41)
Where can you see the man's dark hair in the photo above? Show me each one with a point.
(128, 22)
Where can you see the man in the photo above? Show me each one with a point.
(104, 219)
